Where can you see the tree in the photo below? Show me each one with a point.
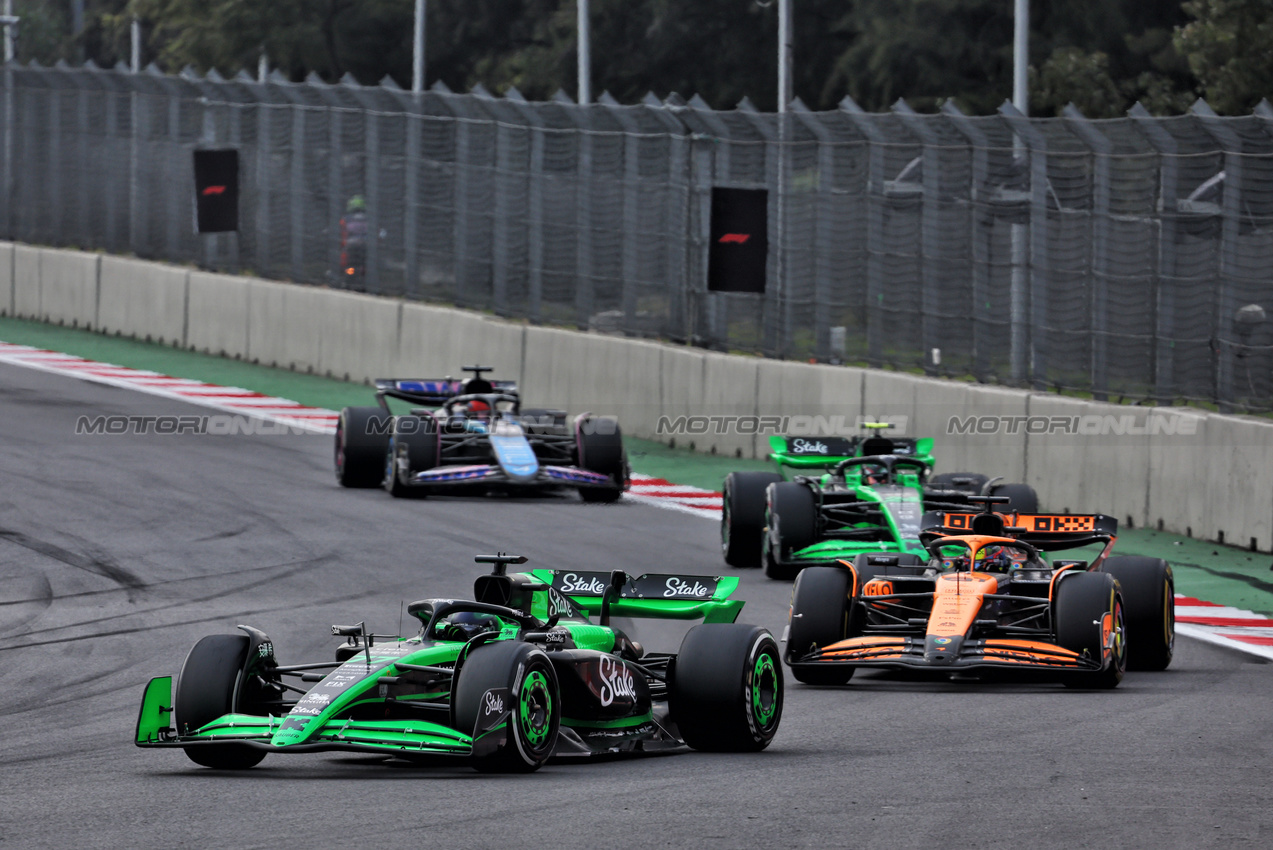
(1227, 45)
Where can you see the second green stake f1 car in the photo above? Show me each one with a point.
(869, 497)
(505, 682)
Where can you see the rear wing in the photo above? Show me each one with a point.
(814, 452)
(653, 595)
(435, 392)
(1042, 531)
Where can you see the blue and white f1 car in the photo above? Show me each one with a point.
(473, 436)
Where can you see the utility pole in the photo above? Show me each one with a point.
(584, 51)
(136, 34)
(417, 54)
(1021, 56)
(10, 22)
(784, 55)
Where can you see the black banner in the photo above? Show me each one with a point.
(216, 182)
(740, 240)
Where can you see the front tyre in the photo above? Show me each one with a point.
(1149, 597)
(526, 675)
(205, 691)
(742, 521)
(819, 617)
(726, 688)
(791, 515)
(1088, 616)
(413, 447)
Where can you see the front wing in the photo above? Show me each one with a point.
(390, 737)
(904, 652)
(545, 476)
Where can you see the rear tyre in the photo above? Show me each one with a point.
(726, 688)
(1021, 498)
(205, 691)
(819, 617)
(791, 514)
(362, 435)
(1083, 603)
(415, 440)
(599, 444)
(1149, 601)
(534, 704)
(742, 521)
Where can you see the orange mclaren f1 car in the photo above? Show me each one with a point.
(987, 598)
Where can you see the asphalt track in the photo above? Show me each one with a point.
(117, 553)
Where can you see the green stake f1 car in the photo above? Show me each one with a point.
(507, 681)
(870, 497)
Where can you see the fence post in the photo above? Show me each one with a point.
(1099, 230)
(411, 199)
(978, 146)
(56, 161)
(1223, 350)
(1034, 317)
(929, 235)
(713, 169)
(371, 183)
(775, 304)
(824, 238)
(534, 128)
(1165, 297)
(875, 142)
(629, 295)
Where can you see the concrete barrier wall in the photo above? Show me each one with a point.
(6, 278)
(217, 317)
(26, 276)
(143, 300)
(68, 287)
(1188, 470)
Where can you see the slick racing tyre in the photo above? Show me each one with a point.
(819, 617)
(205, 691)
(599, 445)
(1021, 498)
(742, 521)
(725, 689)
(413, 444)
(1080, 608)
(791, 515)
(1149, 598)
(362, 435)
(520, 678)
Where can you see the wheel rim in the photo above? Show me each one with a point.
(535, 710)
(764, 690)
(1169, 615)
(1120, 644)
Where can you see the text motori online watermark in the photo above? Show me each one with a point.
(216, 424)
(795, 425)
(1089, 425)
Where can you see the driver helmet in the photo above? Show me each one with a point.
(466, 625)
(479, 409)
(874, 473)
(994, 559)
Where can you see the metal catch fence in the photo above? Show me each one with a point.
(1123, 258)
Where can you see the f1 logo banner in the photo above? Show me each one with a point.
(740, 240)
(216, 183)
